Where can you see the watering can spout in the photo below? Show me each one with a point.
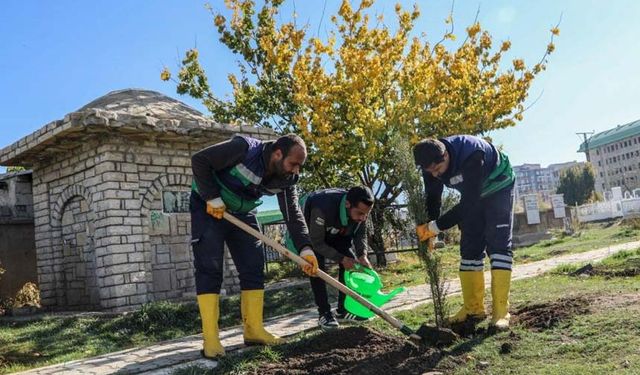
(393, 293)
(382, 298)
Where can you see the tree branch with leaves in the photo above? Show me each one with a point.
(348, 93)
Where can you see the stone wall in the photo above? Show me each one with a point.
(527, 234)
(16, 199)
(64, 189)
(547, 222)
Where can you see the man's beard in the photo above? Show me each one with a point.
(279, 169)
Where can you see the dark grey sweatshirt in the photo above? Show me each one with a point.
(208, 161)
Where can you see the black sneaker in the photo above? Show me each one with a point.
(328, 321)
(349, 317)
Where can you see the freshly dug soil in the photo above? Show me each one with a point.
(436, 336)
(468, 328)
(630, 268)
(547, 315)
(354, 350)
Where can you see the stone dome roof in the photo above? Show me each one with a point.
(134, 113)
(138, 102)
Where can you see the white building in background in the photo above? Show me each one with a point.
(615, 155)
(535, 179)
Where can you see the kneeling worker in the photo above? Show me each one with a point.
(337, 226)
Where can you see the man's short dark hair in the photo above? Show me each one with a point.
(428, 151)
(358, 194)
(286, 142)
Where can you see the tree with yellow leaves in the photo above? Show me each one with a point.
(348, 93)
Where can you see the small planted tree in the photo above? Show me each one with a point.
(414, 194)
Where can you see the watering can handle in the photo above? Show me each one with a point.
(357, 268)
(360, 268)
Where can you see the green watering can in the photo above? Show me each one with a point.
(366, 282)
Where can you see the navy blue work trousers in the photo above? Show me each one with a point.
(208, 237)
(488, 230)
(319, 287)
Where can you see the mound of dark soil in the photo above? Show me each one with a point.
(354, 350)
(468, 328)
(436, 336)
(547, 315)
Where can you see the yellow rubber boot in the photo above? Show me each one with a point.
(500, 285)
(209, 305)
(251, 304)
(472, 284)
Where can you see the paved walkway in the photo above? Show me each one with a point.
(167, 356)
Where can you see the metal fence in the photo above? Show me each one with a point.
(396, 241)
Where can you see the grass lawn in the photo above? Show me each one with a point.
(577, 325)
(409, 271)
(51, 339)
(592, 236)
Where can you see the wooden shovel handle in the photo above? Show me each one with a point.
(321, 274)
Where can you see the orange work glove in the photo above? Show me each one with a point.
(427, 231)
(311, 268)
(216, 208)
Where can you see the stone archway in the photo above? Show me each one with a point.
(73, 224)
(167, 235)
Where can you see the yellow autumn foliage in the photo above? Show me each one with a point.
(348, 91)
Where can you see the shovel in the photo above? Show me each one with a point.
(328, 279)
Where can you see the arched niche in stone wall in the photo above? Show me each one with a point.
(167, 235)
(73, 224)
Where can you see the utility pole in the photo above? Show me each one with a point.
(586, 142)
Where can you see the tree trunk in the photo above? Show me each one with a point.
(376, 240)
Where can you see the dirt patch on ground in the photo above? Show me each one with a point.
(354, 350)
(547, 315)
(630, 268)
(621, 300)
(543, 316)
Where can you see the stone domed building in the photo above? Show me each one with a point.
(110, 200)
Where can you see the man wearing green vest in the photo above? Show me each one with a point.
(337, 220)
(483, 176)
(232, 176)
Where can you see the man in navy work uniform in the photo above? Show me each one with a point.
(483, 176)
(232, 176)
(337, 227)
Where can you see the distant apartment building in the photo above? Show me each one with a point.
(535, 179)
(615, 155)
